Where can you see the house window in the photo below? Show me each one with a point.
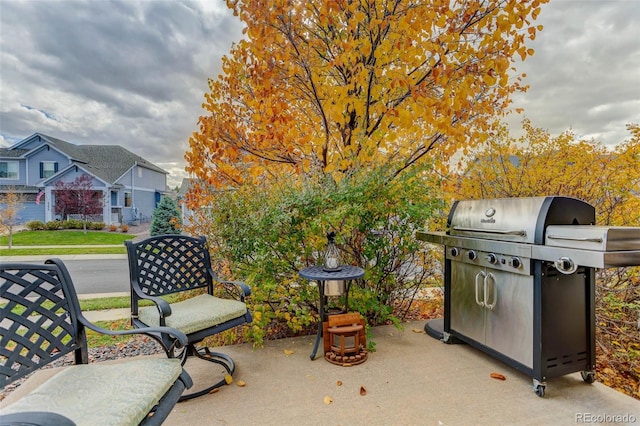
(8, 170)
(127, 199)
(48, 169)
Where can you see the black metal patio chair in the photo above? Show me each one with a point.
(167, 264)
(41, 322)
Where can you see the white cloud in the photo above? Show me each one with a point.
(585, 74)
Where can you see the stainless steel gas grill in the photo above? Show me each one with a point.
(519, 281)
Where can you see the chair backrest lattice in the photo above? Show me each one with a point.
(38, 321)
(171, 263)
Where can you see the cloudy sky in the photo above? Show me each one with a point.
(134, 73)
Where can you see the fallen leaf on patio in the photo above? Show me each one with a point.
(228, 379)
(288, 352)
(497, 376)
(214, 390)
(328, 400)
(418, 330)
(241, 383)
(339, 383)
(363, 391)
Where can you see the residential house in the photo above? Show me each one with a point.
(185, 212)
(131, 186)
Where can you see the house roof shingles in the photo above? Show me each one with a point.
(12, 153)
(110, 162)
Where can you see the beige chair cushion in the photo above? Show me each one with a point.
(195, 314)
(120, 393)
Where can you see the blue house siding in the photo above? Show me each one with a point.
(28, 212)
(44, 155)
(116, 172)
(32, 211)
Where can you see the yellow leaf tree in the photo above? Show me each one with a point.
(538, 164)
(329, 86)
(11, 202)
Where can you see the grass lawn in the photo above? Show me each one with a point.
(65, 238)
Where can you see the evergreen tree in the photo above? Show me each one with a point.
(166, 218)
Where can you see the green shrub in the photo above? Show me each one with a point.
(53, 225)
(96, 226)
(35, 225)
(267, 240)
(72, 224)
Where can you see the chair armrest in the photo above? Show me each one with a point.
(40, 418)
(163, 306)
(240, 289)
(243, 289)
(180, 339)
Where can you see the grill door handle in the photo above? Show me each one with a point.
(481, 277)
(490, 278)
(569, 238)
(520, 232)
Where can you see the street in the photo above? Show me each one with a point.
(90, 276)
(99, 276)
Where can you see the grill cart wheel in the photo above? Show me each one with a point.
(588, 376)
(539, 387)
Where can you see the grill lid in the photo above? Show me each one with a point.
(521, 220)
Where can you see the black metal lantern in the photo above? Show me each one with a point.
(332, 261)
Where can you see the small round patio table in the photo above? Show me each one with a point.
(345, 273)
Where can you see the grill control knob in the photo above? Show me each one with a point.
(472, 255)
(454, 251)
(492, 258)
(515, 262)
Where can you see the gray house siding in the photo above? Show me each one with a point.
(141, 177)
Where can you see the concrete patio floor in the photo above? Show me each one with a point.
(411, 379)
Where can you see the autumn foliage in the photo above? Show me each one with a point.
(538, 164)
(77, 197)
(333, 86)
(332, 114)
